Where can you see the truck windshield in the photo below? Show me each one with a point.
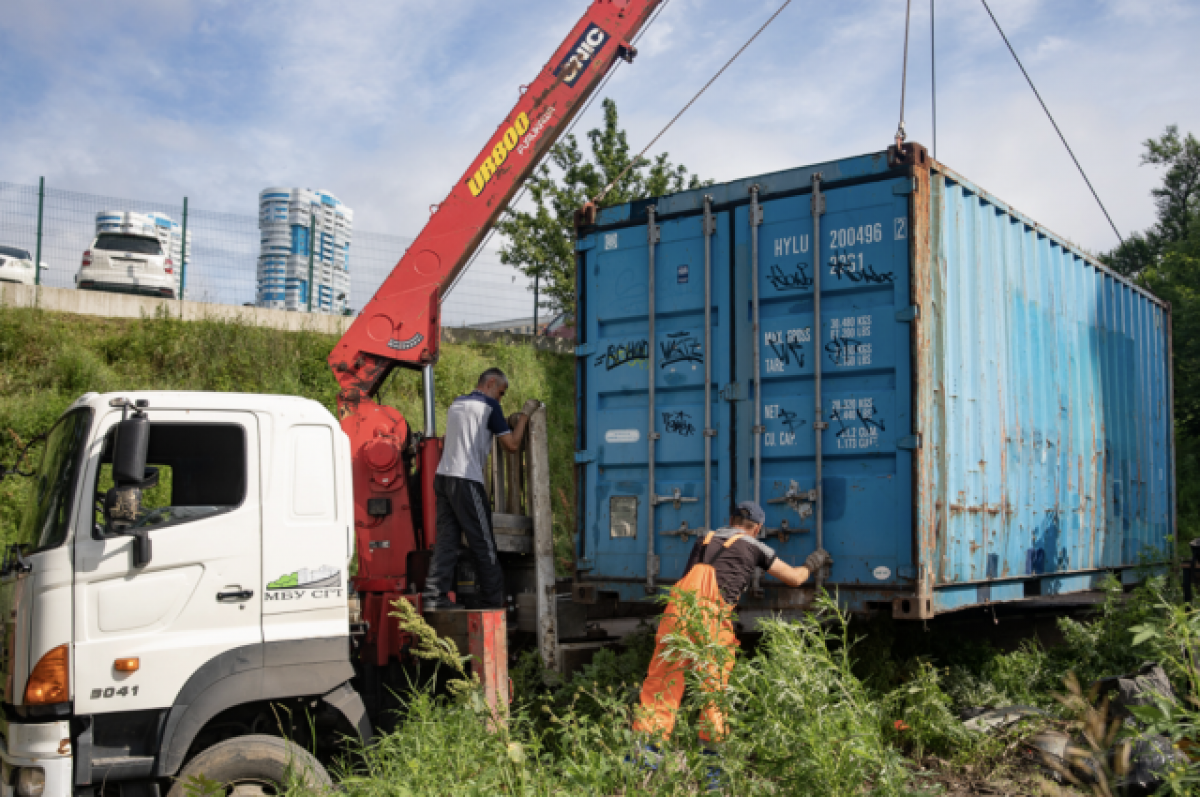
(129, 243)
(47, 516)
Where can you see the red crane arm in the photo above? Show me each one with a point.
(400, 326)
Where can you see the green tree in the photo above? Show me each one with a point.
(1177, 201)
(541, 243)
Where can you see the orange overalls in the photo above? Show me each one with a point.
(663, 689)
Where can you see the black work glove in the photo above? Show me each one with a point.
(817, 560)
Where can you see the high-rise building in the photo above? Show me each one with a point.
(293, 222)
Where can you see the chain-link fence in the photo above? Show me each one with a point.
(223, 250)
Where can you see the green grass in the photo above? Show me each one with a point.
(47, 360)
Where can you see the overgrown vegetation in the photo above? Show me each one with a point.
(47, 360)
(819, 707)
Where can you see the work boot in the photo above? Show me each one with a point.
(440, 603)
(713, 772)
(646, 756)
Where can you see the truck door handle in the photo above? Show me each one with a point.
(235, 596)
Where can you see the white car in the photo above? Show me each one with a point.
(124, 263)
(16, 265)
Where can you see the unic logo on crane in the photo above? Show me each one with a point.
(581, 54)
(572, 66)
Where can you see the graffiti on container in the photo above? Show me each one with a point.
(794, 280)
(788, 346)
(680, 347)
(858, 425)
(622, 353)
(789, 419)
(853, 266)
(679, 423)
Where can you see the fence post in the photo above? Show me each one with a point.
(183, 255)
(312, 245)
(37, 263)
(536, 278)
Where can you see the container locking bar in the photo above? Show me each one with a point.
(819, 424)
(710, 227)
(652, 238)
(756, 220)
(799, 500)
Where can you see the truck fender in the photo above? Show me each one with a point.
(250, 674)
(350, 704)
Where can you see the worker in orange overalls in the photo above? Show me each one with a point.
(718, 571)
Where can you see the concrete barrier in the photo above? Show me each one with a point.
(120, 305)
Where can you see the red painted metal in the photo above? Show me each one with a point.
(400, 326)
(429, 457)
(487, 644)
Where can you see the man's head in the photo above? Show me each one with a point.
(748, 517)
(492, 383)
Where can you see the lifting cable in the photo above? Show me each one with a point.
(933, 74)
(1051, 118)
(900, 134)
(691, 102)
(521, 194)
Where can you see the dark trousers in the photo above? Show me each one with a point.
(463, 510)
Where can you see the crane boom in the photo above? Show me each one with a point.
(400, 325)
(394, 501)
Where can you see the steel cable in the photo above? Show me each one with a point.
(1049, 116)
(933, 72)
(691, 102)
(570, 128)
(900, 134)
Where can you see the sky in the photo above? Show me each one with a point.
(385, 102)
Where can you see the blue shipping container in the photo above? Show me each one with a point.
(994, 418)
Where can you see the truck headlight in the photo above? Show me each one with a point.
(31, 781)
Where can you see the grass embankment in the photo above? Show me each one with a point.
(822, 707)
(47, 360)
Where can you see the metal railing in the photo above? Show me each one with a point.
(221, 261)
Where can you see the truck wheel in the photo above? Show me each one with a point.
(250, 766)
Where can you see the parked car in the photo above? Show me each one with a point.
(16, 265)
(125, 263)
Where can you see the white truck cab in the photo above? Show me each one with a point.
(153, 615)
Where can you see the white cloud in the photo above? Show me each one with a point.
(385, 103)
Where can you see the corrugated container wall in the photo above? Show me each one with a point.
(995, 406)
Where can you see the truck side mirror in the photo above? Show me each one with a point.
(130, 446)
(123, 503)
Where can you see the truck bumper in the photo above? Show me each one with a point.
(44, 746)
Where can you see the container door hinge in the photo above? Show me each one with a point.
(733, 392)
(908, 314)
(585, 349)
(584, 457)
(906, 572)
(586, 563)
(910, 443)
(909, 186)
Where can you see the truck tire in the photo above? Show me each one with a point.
(252, 766)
